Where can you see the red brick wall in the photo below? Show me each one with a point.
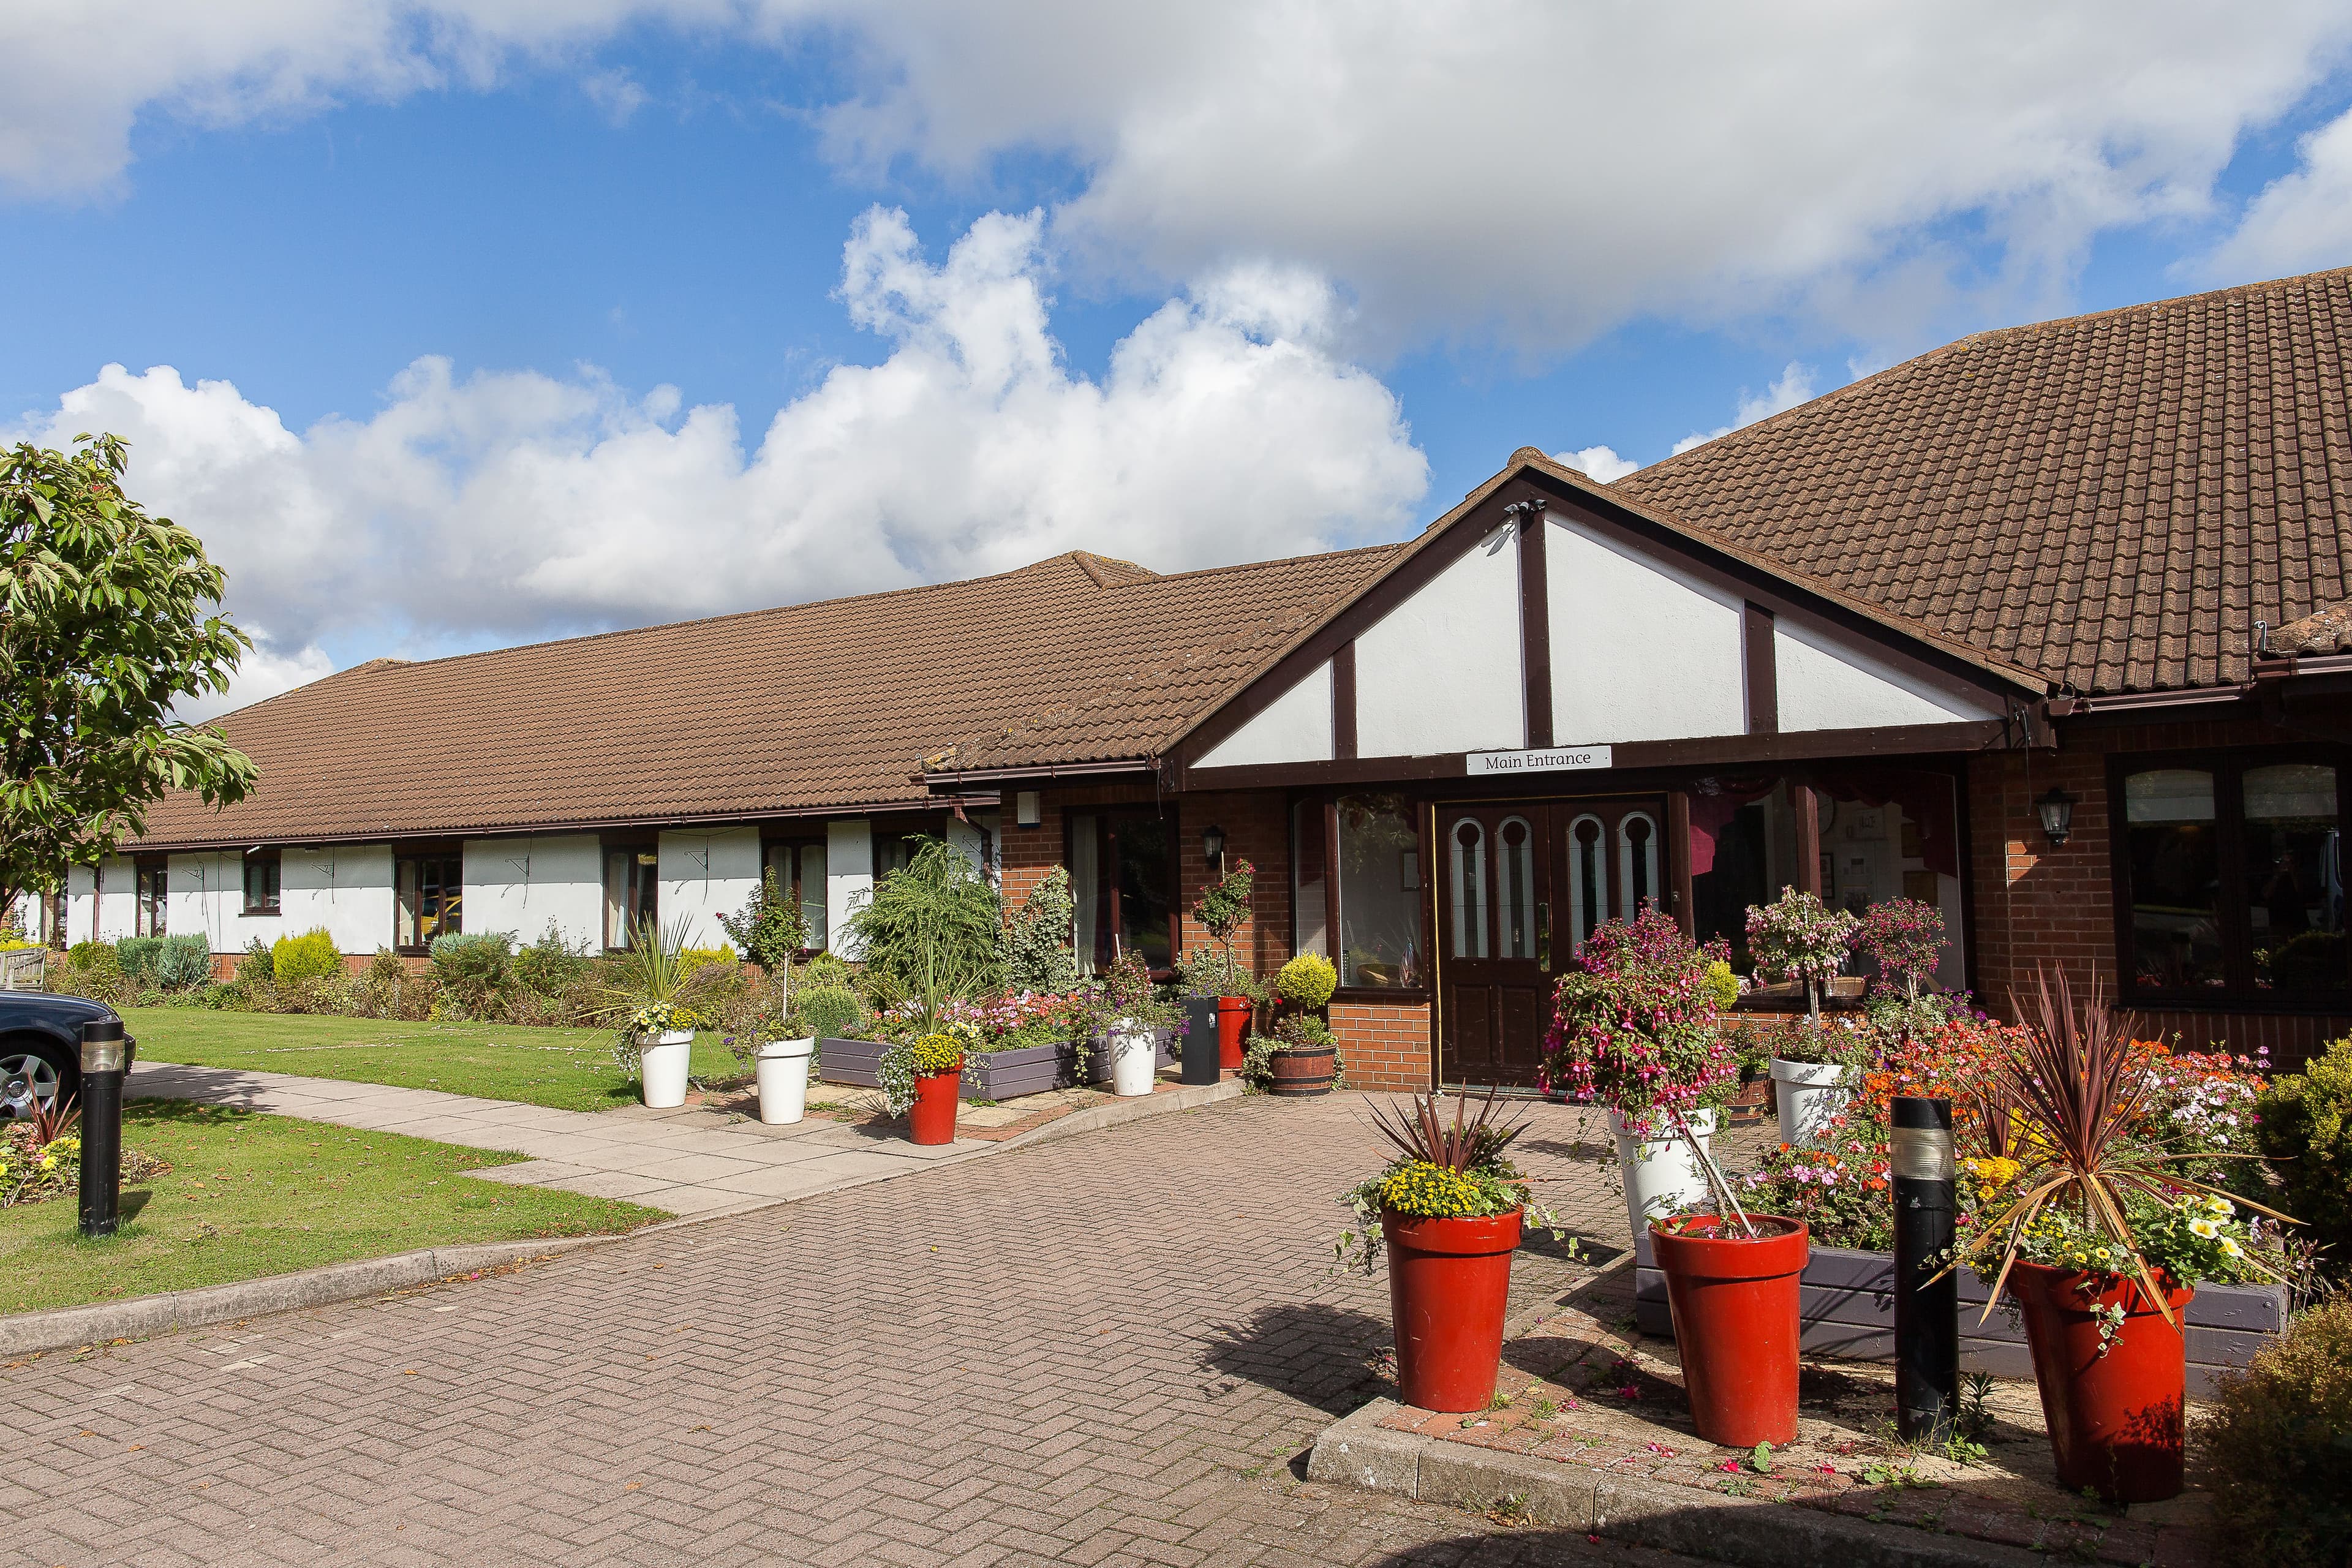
(1384, 1044)
(2036, 904)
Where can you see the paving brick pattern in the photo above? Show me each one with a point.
(1106, 1349)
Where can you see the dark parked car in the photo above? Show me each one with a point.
(40, 1048)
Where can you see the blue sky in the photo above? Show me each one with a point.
(305, 203)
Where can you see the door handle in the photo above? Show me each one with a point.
(1543, 936)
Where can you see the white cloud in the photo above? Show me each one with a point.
(497, 505)
(1601, 462)
(1795, 386)
(263, 673)
(2301, 221)
(615, 94)
(1534, 171)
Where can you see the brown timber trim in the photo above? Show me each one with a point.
(1677, 848)
(1534, 628)
(1763, 671)
(1343, 700)
(1807, 810)
(1330, 828)
(1801, 745)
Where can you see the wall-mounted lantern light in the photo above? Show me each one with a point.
(1028, 808)
(2057, 809)
(1213, 849)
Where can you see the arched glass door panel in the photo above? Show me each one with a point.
(1515, 888)
(1588, 879)
(1637, 863)
(1468, 844)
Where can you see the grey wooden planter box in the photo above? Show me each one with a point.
(1846, 1308)
(990, 1075)
(1098, 1059)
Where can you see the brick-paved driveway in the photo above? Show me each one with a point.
(1106, 1350)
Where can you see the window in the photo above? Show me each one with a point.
(261, 883)
(1123, 878)
(892, 851)
(152, 917)
(1466, 864)
(1380, 893)
(800, 871)
(1310, 886)
(428, 899)
(2230, 878)
(631, 893)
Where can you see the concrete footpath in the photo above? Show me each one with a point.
(686, 1162)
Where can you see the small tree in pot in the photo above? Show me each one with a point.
(1799, 938)
(771, 931)
(1222, 908)
(648, 1003)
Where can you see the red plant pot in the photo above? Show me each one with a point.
(1233, 1022)
(1735, 1309)
(1449, 1280)
(931, 1118)
(2115, 1419)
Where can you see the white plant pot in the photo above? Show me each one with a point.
(1134, 1059)
(1808, 1095)
(661, 1069)
(783, 1068)
(1660, 1175)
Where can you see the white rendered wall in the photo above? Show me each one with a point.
(1442, 671)
(106, 918)
(963, 837)
(207, 895)
(849, 878)
(1827, 685)
(518, 885)
(705, 873)
(345, 889)
(1639, 651)
(1296, 727)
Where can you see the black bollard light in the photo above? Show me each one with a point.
(103, 1059)
(1927, 1309)
(1201, 1040)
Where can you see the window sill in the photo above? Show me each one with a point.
(2337, 1003)
(260, 914)
(1381, 994)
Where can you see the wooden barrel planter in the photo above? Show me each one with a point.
(1304, 1070)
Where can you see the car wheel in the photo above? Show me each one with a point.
(35, 1073)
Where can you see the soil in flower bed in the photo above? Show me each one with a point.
(1581, 1387)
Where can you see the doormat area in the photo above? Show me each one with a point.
(1580, 1387)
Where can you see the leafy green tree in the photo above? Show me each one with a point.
(108, 618)
(932, 926)
(770, 929)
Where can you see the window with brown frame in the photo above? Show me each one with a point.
(428, 899)
(1122, 864)
(800, 866)
(261, 883)
(2229, 876)
(1356, 859)
(153, 915)
(631, 892)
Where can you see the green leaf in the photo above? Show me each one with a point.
(1760, 1461)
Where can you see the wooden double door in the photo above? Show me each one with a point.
(1520, 885)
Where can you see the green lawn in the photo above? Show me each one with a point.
(571, 1070)
(250, 1194)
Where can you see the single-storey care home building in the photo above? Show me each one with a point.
(2049, 627)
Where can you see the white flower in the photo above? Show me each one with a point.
(2204, 1227)
(2218, 1207)
(2229, 1248)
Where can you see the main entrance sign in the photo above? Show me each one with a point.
(1549, 760)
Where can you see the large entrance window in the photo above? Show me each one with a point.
(1123, 877)
(1380, 894)
(428, 899)
(2230, 878)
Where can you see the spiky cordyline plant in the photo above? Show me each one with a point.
(2068, 1095)
(1463, 1146)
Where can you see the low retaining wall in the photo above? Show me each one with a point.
(1847, 1309)
(991, 1075)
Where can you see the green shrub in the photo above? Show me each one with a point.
(1306, 981)
(137, 954)
(932, 925)
(474, 959)
(257, 967)
(823, 969)
(2279, 1443)
(830, 1011)
(186, 962)
(93, 969)
(1037, 955)
(771, 929)
(2306, 1130)
(547, 966)
(311, 956)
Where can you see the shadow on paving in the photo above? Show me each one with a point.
(1330, 1357)
(1529, 1548)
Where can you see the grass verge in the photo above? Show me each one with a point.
(569, 1069)
(249, 1195)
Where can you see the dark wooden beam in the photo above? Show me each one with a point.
(1809, 838)
(1535, 622)
(1343, 700)
(1763, 671)
(1678, 866)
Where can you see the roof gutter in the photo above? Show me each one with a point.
(2146, 702)
(1046, 771)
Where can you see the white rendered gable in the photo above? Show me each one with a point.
(1827, 684)
(1296, 727)
(1640, 650)
(1441, 672)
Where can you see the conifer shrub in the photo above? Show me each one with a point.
(2278, 1446)
(309, 956)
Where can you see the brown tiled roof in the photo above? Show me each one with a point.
(2114, 499)
(808, 708)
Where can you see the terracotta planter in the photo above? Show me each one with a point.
(1735, 1309)
(932, 1118)
(2115, 1419)
(1449, 1280)
(1305, 1071)
(1232, 1021)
